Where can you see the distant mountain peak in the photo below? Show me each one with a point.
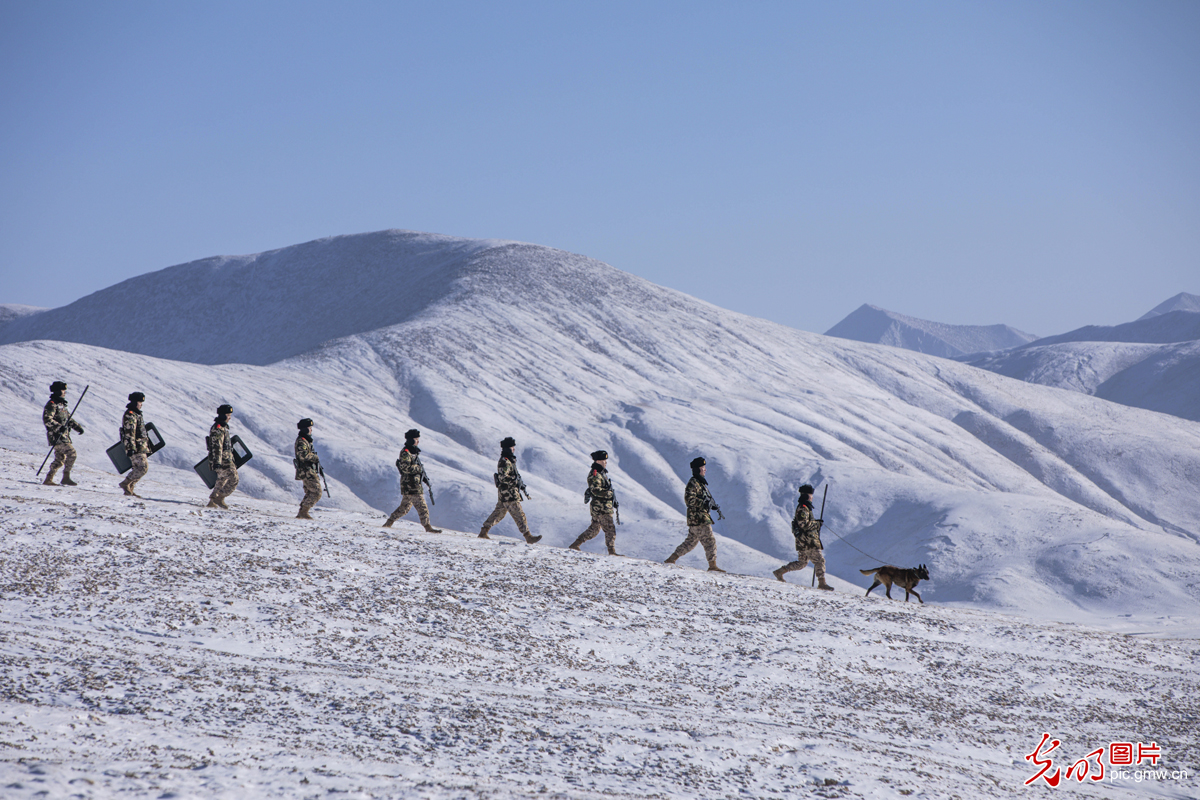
(1180, 302)
(879, 326)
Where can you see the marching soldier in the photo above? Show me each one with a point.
(699, 502)
(308, 468)
(58, 433)
(137, 443)
(509, 486)
(220, 458)
(603, 505)
(808, 540)
(412, 474)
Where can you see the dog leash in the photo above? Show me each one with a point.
(868, 555)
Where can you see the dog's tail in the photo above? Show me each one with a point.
(870, 571)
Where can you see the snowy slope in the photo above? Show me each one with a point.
(1019, 497)
(1158, 377)
(1164, 328)
(879, 326)
(216, 310)
(1180, 302)
(152, 649)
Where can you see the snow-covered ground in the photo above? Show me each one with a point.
(153, 648)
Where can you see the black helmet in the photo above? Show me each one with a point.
(137, 397)
(224, 410)
(508, 441)
(304, 423)
(698, 462)
(57, 386)
(807, 489)
(600, 455)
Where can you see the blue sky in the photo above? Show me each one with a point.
(972, 163)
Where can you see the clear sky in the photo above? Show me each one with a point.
(1031, 163)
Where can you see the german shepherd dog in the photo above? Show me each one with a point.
(906, 579)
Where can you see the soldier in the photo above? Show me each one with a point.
(137, 444)
(58, 433)
(220, 458)
(603, 505)
(699, 501)
(808, 540)
(308, 468)
(509, 486)
(412, 474)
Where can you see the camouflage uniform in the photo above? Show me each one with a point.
(807, 532)
(220, 459)
(508, 499)
(308, 466)
(602, 508)
(412, 494)
(58, 436)
(137, 447)
(699, 521)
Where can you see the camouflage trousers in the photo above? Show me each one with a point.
(812, 554)
(227, 481)
(408, 501)
(507, 507)
(141, 465)
(702, 534)
(599, 521)
(312, 493)
(64, 456)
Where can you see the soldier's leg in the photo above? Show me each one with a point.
(610, 534)
(518, 515)
(312, 493)
(686, 547)
(406, 502)
(709, 542)
(423, 513)
(818, 561)
(791, 566)
(227, 481)
(68, 455)
(136, 472)
(590, 533)
(498, 513)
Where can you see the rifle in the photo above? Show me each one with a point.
(66, 427)
(820, 519)
(712, 503)
(322, 471)
(425, 480)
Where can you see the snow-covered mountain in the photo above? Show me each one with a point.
(1180, 302)
(1152, 363)
(879, 326)
(1019, 497)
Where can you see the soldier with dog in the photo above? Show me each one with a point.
(807, 532)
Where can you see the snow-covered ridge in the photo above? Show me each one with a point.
(153, 649)
(877, 325)
(1180, 302)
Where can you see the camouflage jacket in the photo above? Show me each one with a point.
(54, 417)
(308, 464)
(220, 451)
(133, 433)
(806, 529)
(698, 501)
(508, 481)
(603, 500)
(411, 471)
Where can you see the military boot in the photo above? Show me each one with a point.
(778, 573)
(212, 503)
(612, 551)
(221, 502)
(303, 514)
(483, 535)
(390, 522)
(66, 481)
(670, 560)
(531, 539)
(825, 586)
(431, 529)
(575, 545)
(712, 566)
(50, 477)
